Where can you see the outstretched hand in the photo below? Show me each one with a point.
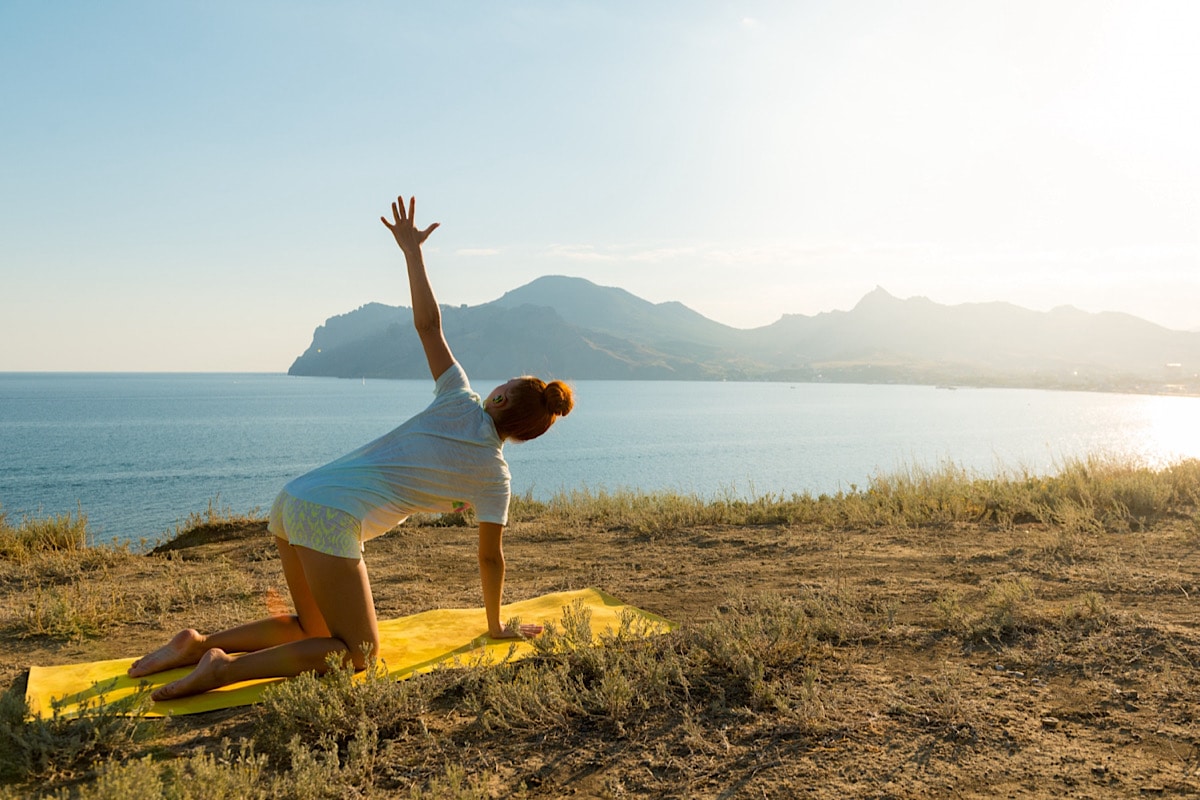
(526, 631)
(403, 227)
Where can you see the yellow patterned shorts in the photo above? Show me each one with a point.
(321, 528)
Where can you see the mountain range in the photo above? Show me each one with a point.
(571, 328)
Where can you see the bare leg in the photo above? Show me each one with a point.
(217, 668)
(187, 647)
(337, 589)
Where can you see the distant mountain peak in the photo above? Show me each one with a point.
(877, 298)
(880, 299)
(555, 281)
(1067, 310)
(551, 290)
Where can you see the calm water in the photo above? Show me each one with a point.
(139, 452)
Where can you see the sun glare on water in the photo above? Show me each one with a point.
(1172, 430)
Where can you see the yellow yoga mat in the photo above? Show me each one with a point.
(409, 645)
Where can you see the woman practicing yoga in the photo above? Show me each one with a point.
(447, 456)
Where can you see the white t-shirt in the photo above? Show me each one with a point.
(446, 457)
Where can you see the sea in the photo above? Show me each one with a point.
(138, 454)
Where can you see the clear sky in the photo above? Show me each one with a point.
(195, 186)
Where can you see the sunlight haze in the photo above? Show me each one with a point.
(196, 186)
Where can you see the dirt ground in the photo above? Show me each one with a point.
(920, 711)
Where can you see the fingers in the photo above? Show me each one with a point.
(398, 212)
(401, 216)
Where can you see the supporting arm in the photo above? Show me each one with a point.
(491, 575)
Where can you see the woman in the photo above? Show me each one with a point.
(446, 457)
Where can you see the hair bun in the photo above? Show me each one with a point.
(559, 398)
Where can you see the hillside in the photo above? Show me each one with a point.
(571, 328)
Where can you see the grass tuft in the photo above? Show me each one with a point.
(33, 536)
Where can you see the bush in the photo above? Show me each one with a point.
(58, 746)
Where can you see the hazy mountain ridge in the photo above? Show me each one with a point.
(571, 328)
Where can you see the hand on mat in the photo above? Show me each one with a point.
(527, 630)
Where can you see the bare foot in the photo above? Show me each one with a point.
(185, 647)
(205, 676)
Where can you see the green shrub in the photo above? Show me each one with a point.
(328, 712)
(201, 776)
(59, 746)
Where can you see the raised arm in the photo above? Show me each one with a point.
(427, 316)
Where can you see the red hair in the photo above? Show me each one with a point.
(532, 406)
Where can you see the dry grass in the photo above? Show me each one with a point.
(34, 536)
(934, 634)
